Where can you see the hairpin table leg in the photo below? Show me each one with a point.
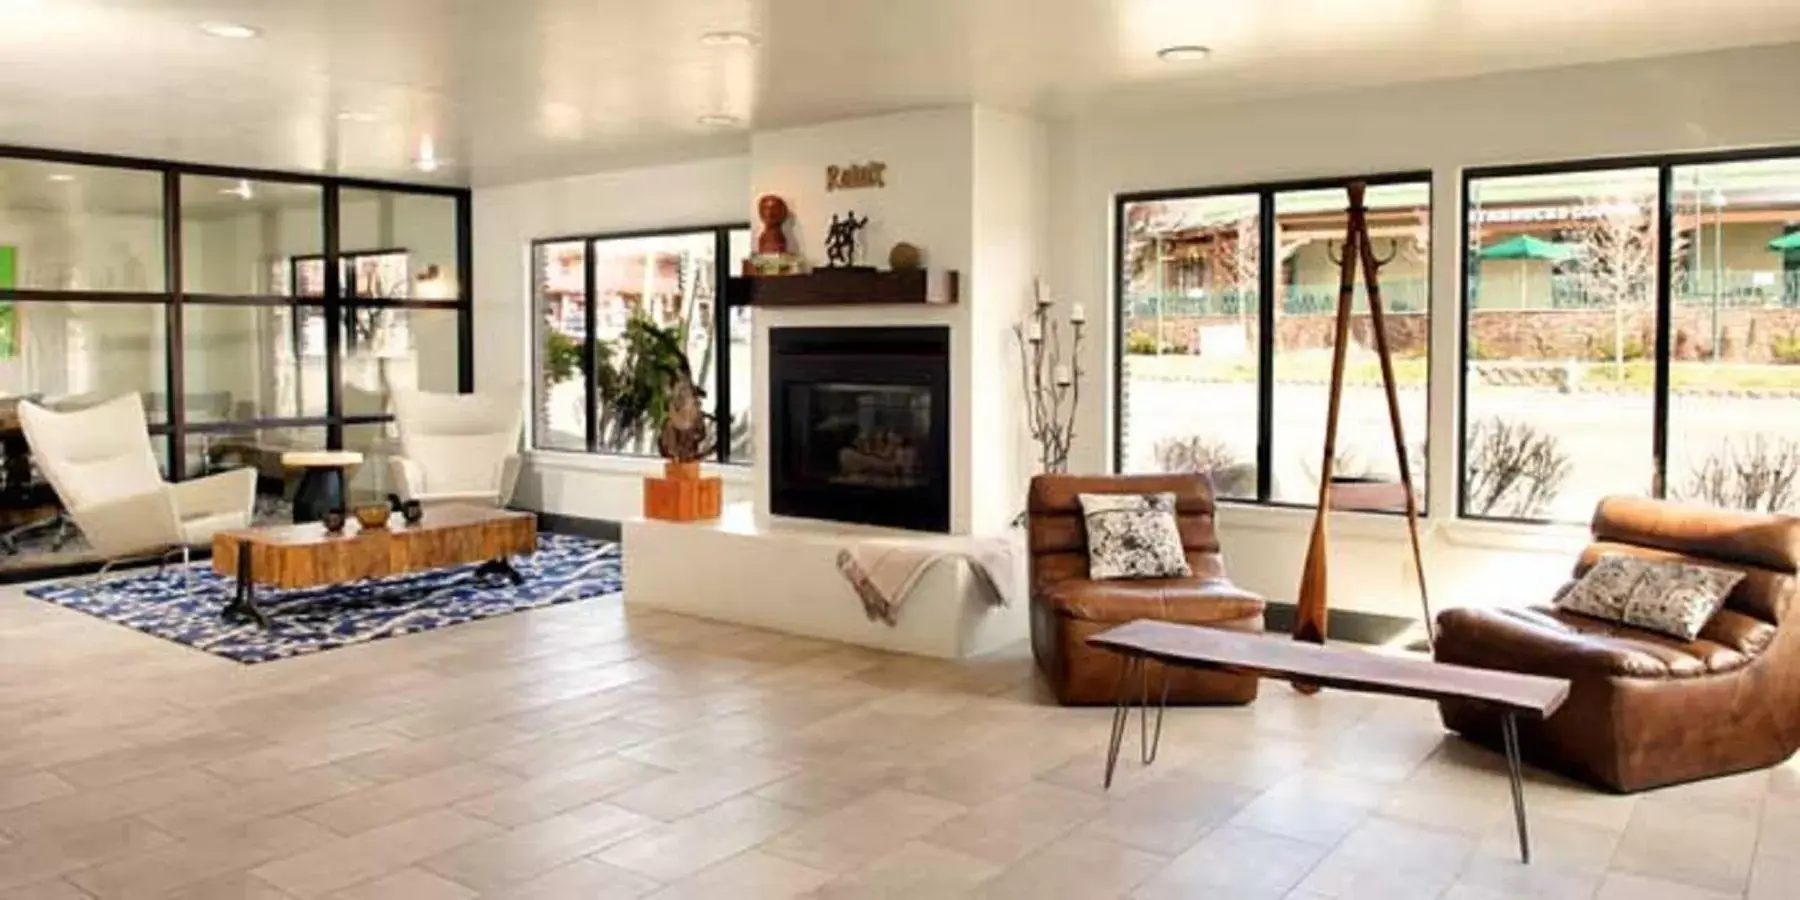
(1121, 713)
(1147, 746)
(1509, 730)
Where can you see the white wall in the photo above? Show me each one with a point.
(1706, 102)
(507, 220)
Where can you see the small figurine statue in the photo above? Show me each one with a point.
(773, 211)
(687, 433)
(841, 240)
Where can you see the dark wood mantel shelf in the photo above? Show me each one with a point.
(845, 287)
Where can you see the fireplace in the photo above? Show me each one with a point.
(860, 425)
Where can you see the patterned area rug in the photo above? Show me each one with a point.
(563, 569)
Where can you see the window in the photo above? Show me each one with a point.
(237, 342)
(593, 301)
(1213, 379)
(1632, 329)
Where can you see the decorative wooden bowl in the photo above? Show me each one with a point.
(374, 515)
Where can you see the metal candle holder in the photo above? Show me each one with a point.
(1052, 388)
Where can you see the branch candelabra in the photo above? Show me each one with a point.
(1052, 386)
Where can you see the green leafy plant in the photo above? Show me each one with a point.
(633, 376)
(1785, 349)
(1137, 343)
(561, 357)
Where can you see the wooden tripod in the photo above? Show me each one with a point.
(1311, 616)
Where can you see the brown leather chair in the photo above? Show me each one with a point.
(1644, 709)
(1067, 607)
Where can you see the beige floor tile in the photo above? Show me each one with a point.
(97, 805)
(48, 856)
(32, 787)
(673, 851)
(391, 802)
(586, 878)
(849, 837)
(683, 793)
(54, 889)
(1625, 886)
(1392, 861)
(1319, 807)
(747, 876)
(1701, 848)
(406, 884)
(573, 746)
(1075, 868)
(170, 869)
(914, 871)
(303, 753)
(141, 761)
(1498, 877)
(492, 863)
(210, 813)
(1235, 862)
(234, 886)
(1169, 816)
(1010, 827)
(546, 795)
(347, 861)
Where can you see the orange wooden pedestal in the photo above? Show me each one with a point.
(681, 495)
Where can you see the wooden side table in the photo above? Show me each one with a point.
(322, 480)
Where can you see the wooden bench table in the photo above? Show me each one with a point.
(1333, 666)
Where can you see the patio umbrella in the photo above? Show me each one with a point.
(1524, 246)
(1789, 241)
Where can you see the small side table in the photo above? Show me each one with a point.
(322, 480)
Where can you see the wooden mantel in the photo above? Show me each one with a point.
(845, 287)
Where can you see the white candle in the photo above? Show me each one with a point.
(1034, 331)
(1061, 375)
(1077, 315)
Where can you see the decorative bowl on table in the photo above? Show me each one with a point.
(374, 515)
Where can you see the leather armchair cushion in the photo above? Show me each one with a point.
(1552, 642)
(1190, 601)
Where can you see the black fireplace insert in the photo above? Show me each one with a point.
(860, 425)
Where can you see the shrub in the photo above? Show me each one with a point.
(562, 357)
(1515, 470)
(1137, 343)
(1757, 472)
(1785, 349)
(1229, 473)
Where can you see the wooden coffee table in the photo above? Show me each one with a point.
(1333, 666)
(306, 555)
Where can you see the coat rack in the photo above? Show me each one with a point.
(1312, 613)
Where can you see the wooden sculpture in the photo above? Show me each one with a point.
(1312, 614)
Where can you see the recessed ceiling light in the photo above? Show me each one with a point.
(357, 115)
(728, 39)
(229, 30)
(1184, 53)
(242, 190)
(62, 178)
(718, 120)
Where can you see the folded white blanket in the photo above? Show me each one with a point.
(884, 571)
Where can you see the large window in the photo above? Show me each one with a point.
(596, 300)
(1632, 328)
(1213, 379)
(205, 291)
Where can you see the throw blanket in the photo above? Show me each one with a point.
(884, 571)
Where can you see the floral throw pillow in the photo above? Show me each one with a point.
(1133, 536)
(1673, 598)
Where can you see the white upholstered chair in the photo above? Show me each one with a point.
(101, 466)
(457, 448)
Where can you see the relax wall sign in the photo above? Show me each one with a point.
(855, 176)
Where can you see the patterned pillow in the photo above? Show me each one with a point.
(1133, 536)
(1673, 598)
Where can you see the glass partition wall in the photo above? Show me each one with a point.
(254, 312)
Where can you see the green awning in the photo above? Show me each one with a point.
(1789, 241)
(1525, 246)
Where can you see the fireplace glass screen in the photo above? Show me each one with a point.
(861, 435)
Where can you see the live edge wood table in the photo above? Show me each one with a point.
(306, 555)
(1189, 646)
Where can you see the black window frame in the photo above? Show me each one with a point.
(720, 399)
(1268, 296)
(1662, 303)
(175, 298)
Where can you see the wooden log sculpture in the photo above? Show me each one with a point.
(1313, 613)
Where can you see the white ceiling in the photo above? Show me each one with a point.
(509, 89)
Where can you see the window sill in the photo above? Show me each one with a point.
(602, 464)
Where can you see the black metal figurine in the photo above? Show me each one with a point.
(840, 240)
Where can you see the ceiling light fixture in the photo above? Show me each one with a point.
(1185, 53)
(242, 190)
(357, 115)
(718, 120)
(728, 39)
(231, 31)
(427, 159)
(62, 178)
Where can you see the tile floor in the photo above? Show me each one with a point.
(588, 751)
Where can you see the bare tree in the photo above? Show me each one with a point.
(1514, 469)
(1229, 473)
(1759, 472)
(1617, 265)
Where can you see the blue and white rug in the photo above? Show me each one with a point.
(564, 569)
